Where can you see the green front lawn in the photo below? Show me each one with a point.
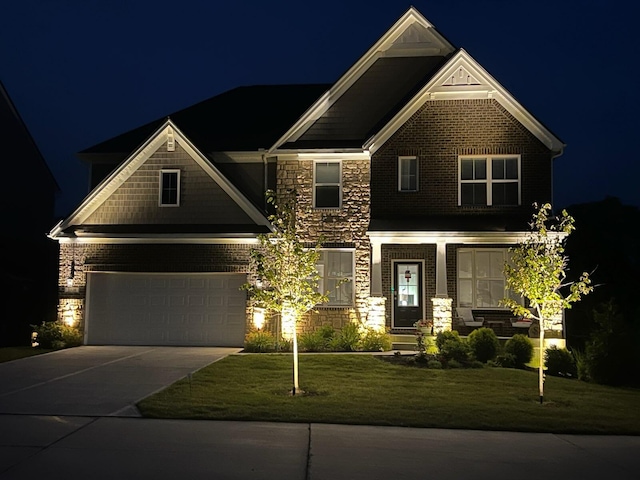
(362, 389)
(14, 353)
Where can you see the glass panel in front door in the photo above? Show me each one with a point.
(408, 294)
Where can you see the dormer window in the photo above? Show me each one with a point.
(169, 188)
(327, 184)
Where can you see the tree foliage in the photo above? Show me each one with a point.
(285, 267)
(538, 267)
(537, 271)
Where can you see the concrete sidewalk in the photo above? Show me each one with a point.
(36, 447)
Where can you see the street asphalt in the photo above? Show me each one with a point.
(68, 415)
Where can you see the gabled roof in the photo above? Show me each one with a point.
(242, 119)
(462, 77)
(411, 64)
(373, 89)
(110, 184)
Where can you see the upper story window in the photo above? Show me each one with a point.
(336, 267)
(490, 180)
(169, 188)
(327, 184)
(407, 174)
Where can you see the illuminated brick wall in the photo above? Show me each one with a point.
(437, 134)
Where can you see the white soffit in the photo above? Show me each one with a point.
(462, 77)
(411, 35)
(110, 184)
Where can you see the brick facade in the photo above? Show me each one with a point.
(178, 258)
(437, 134)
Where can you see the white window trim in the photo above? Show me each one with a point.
(505, 254)
(352, 278)
(177, 204)
(408, 157)
(338, 184)
(489, 180)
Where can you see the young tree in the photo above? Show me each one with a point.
(537, 271)
(286, 270)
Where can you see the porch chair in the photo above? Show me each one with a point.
(465, 315)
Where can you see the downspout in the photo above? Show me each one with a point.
(553, 157)
(265, 185)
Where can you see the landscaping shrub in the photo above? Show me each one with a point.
(559, 362)
(434, 364)
(259, 341)
(521, 348)
(375, 341)
(347, 339)
(611, 352)
(581, 365)
(317, 341)
(56, 335)
(484, 344)
(506, 360)
(452, 347)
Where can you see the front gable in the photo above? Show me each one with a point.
(130, 196)
(463, 78)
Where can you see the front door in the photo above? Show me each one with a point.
(407, 294)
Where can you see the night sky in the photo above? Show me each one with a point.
(83, 71)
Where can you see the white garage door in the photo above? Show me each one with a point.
(165, 309)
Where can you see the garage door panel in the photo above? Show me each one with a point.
(165, 309)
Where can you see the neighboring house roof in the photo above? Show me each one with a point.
(77, 223)
(29, 185)
(242, 119)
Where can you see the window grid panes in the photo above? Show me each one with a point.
(481, 281)
(489, 180)
(169, 187)
(408, 174)
(327, 185)
(335, 268)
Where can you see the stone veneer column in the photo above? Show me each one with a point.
(376, 316)
(441, 314)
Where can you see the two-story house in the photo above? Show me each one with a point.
(417, 168)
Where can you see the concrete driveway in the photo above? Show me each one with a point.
(96, 380)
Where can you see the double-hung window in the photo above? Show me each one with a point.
(481, 280)
(336, 267)
(489, 180)
(169, 188)
(327, 184)
(407, 174)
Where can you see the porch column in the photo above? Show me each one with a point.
(376, 268)
(441, 270)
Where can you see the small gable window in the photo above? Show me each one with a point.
(327, 184)
(407, 174)
(493, 180)
(169, 188)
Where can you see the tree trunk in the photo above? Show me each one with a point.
(296, 387)
(541, 363)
